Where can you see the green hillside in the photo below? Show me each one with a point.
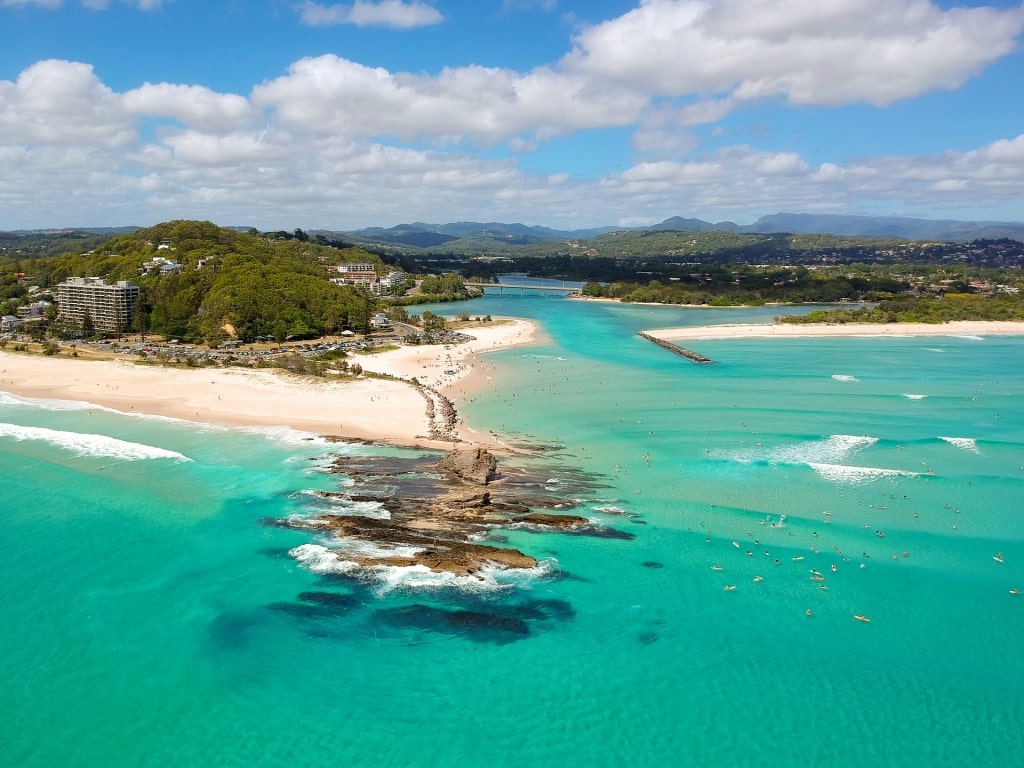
(230, 283)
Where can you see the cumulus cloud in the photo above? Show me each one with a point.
(62, 102)
(483, 104)
(334, 143)
(363, 13)
(822, 52)
(192, 105)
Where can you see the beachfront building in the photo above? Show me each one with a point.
(109, 306)
(34, 311)
(9, 324)
(364, 275)
(389, 282)
(379, 321)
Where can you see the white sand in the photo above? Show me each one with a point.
(369, 409)
(815, 330)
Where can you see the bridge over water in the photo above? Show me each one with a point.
(523, 287)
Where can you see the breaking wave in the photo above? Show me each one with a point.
(914, 397)
(844, 377)
(963, 443)
(83, 444)
(851, 475)
(389, 578)
(342, 506)
(834, 449)
(290, 437)
(828, 457)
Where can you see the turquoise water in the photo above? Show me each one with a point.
(151, 617)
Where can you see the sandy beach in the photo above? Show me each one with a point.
(364, 409)
(823, 330)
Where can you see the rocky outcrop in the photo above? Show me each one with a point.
(474, 465)
(438, 511)
(553, 521)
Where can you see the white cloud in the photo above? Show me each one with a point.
(824, 52)
(193, 105)
(317, 146)
(363, 13)
(487, 105)
(62, 102)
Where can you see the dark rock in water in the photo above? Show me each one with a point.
(475, 465)
(646, 638)
(552, 521)
(536, 610)
(652, 564)
(604, 533)
(334, 599)
(476, 625)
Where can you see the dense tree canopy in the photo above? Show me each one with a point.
(229, 284)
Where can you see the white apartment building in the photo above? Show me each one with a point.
(357, 274)
(109, 306)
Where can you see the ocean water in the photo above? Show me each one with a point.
(152, 617)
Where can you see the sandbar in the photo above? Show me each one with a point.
(372, 409)
(826, 330)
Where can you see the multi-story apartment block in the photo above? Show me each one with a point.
(387, 283)
(357, 274)
(109, 306)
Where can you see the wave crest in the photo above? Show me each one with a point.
(963, 443)
(852, 475)
(84, 444)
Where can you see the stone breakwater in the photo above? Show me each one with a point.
(441, 414)
(435, 513)
(683, 351)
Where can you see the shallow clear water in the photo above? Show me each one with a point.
(151, 617)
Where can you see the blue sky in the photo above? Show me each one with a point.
(563, 113)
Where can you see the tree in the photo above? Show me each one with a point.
(88, 327)
(140, 317)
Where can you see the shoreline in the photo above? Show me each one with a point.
(363, 409)
(847, 330)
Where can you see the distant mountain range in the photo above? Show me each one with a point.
(421, 235)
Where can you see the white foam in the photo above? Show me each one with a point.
(371, 509)
(851, 475)
(389, 578)
(844, 377)
(80, 405)
(52, 405)
(6, 399)
(610, 509)
(835, 449)
(83, 444)
(963, 443)
(969, 337)
(288, 436)
(914, 397)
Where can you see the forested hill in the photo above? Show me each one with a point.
(230, 283)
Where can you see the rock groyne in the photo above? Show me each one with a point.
(687, 353)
